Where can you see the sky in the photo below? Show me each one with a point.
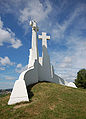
(63, 20)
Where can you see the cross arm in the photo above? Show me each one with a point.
(48, 37)
(40, 36)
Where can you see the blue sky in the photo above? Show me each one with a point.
(63, 20)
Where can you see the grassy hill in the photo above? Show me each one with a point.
(49, 101)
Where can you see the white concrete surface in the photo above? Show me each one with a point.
(44, 38)
(19, 93)
(46, 70)
(70, 84)
(29, 76)
(39, 69)
(34, 50)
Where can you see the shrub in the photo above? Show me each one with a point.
(80, 81)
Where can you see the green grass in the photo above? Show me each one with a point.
(50, 101)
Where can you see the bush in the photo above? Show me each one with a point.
(81, 79)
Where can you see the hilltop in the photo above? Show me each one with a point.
(47, 101)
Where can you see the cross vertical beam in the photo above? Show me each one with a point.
(34, 33)
(34, 49)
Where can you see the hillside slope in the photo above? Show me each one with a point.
(48, 101)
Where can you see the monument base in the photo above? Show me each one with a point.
(19, 93)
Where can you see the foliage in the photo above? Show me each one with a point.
(81, 79)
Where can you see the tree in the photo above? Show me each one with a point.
(80, 81)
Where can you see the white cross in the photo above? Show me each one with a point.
(44, 39)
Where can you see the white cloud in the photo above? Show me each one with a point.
(11, 6)
(59, 29)
(2, 68)
(27, 10)
(6, 85)
(7, 36)
(16, 43)
(20, 68)
(35, 10)
(10, 78)
(67, 59)
(19, 65)
(6, 61)
(68, 63)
